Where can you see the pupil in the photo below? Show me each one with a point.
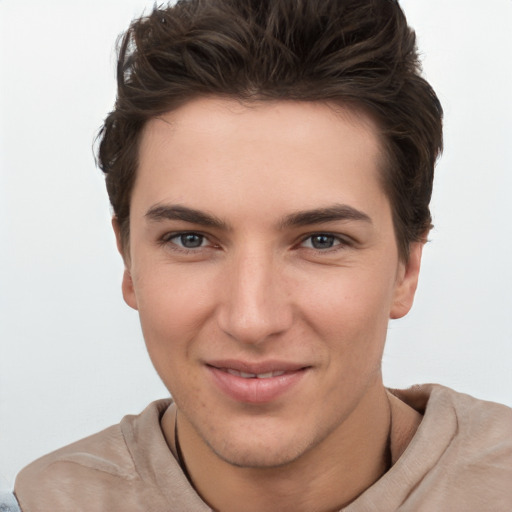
(190, 240)
(322, 241)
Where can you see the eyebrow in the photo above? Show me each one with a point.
(338, 212)
(177, 212)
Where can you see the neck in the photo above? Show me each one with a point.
(329, 476)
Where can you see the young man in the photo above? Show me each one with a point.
(270, 167)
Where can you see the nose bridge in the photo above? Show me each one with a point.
(255, 304)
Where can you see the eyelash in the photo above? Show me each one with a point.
(168, 238)
(339, 242)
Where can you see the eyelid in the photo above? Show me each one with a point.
(167, 239)
(179, 232)
(342, 240)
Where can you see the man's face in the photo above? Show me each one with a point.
(264, 266)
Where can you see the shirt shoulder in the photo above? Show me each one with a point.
(468, 465)
(95, 473)
(479, 429)
(459, 459)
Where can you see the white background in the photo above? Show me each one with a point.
(72, 359)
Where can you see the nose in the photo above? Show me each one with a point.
(255, 304)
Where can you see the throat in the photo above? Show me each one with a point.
(328, 476)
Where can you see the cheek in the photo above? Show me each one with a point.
(170, 322)
(172, 309)
(351, 309)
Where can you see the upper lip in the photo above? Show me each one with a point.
(257, 367)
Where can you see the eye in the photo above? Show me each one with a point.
(321, 241)
(188, 240)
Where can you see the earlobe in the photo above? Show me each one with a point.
(407, 283)
(128, 290)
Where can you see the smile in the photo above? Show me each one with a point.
(256, 384)
(245, 375)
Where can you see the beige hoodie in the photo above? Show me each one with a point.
(460, 460)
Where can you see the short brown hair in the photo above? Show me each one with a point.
(357, 52)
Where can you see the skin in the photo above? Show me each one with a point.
(267, 282)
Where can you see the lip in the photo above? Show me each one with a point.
(255, 390)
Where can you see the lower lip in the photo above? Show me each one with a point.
(255, 391)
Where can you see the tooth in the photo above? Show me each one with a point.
(247, 375)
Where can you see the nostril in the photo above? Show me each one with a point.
(254, 324)
(254, 304)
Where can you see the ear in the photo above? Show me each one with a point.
(407, 282)
(127, 284)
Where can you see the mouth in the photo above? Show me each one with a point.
(256, 383)
(246, 375)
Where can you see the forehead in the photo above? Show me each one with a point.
(212, 118)
(215, 150)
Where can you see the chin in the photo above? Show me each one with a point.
(260, 451)
(258, 459)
